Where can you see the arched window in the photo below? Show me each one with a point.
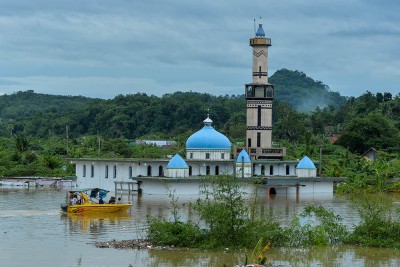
(262, 170)
(216, 170)
(115, 171)
(208, 170)
(160, 171)
(84, 170)
(130, 172)
(271, 170)
(287, 170)
(149, 170)
(92, 170)
(190, 170)
(106, 172)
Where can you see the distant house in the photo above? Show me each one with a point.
(334, 137)
(370, 155)
(159, 143)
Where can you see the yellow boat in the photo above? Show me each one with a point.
(91, 201)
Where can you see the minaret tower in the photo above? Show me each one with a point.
(259, 96)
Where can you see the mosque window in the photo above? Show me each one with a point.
(190, 170)
(271, 170)
(106, 172)
(149, 170)
(84, 170)
(92, 170)
(216, 170)
(207, 155)
(191, 155)
(259, 115)
(258, 139)
(222, 156)
(208, 170)
(130, 172)
(249, 142)
(115, 171)
(160, 171)
(287, 170)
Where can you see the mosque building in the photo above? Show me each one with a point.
(208, 152)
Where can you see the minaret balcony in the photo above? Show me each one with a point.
(267, 153)
(260, 41)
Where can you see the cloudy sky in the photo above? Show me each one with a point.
(102, 48)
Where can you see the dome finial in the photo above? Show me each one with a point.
(208, 121)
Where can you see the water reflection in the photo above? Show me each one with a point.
(33, 232)
(95, 224)
(336, 256)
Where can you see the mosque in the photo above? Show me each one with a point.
(208, 152)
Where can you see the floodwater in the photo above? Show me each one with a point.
(33, 232)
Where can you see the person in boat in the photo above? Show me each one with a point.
(74, 200)
(112, 200)
(101, 201)
(119, 200)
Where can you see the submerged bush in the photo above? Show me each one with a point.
(179, 234)
(380, 225)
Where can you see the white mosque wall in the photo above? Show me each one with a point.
(177, 173)
(305, 188)
(274, 169)
(201, 168)
(209, 155)
(243, 170)
(306, 172)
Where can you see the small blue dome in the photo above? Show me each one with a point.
(260, 31)
(208, 138)
(305, 163)
(177, 162)
(243, 157)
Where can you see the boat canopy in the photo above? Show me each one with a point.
(92, 192)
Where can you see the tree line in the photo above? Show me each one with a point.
(34, 125)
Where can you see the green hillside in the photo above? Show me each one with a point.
(302, 92)
(132, 116)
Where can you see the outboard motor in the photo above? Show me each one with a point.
(64, 207)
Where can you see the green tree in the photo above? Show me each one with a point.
(373, 131)
(21, 142)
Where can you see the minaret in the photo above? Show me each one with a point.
(259, 96)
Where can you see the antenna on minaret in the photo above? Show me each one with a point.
(254, 27)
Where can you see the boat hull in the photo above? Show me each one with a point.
(98, 208)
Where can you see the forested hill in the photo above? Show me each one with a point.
(302, 92)
(136, 115)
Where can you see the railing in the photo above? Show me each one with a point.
(264, 153)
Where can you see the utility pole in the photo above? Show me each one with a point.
(98, 140)
(67, 131)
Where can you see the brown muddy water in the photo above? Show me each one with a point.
(33, 232)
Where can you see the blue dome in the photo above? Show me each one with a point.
(177, 162)
(260, 31)
(208, 138)
(243, 157)
(305, 163)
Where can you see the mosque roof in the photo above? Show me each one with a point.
(305, 163)
(177, 162)
(243, 157)
(208, 138)
(260, 31)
